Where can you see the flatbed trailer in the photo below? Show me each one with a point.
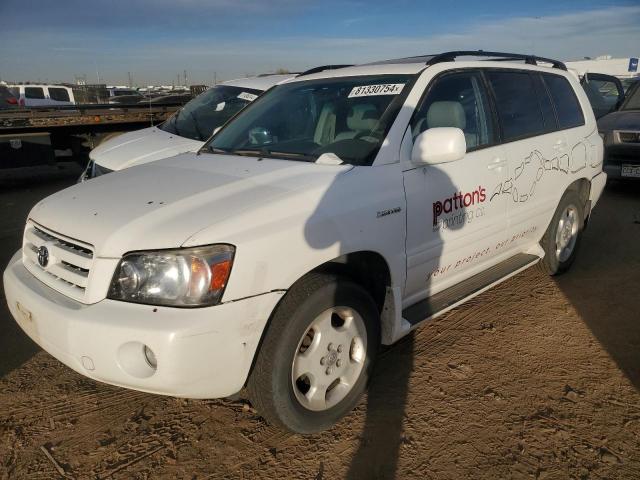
(42, 135)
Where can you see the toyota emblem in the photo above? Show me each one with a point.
(43, 256)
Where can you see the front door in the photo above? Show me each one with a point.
(452, 227)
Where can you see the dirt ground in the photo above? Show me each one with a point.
(537, 378)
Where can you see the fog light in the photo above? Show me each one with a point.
(150, 357)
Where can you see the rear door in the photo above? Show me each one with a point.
(605, 92)
(537, 151)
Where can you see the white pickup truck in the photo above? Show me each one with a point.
(338, 211)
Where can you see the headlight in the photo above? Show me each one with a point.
(190, 277)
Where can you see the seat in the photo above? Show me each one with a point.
(447, 114)
(362, 118)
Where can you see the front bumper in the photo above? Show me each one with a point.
(201, 352)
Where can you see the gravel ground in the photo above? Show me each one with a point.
(537, 378)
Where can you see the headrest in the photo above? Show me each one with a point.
(446, 114)
(362, 117)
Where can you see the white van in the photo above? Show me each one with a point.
(42, 95)
(185, 131)
(340, 210)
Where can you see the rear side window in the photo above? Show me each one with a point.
(567, 105)
(59, 94)
(34, 92)
(517, 105)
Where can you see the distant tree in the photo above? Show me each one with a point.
(282, 71)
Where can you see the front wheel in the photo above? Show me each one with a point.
(317, 354)
(562, 238)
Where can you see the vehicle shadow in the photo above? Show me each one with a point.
(19, 191)
(603, 282)
(379, 444)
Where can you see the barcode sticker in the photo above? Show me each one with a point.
(374, 90)
(249, 97)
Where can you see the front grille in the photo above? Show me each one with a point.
(69, 261)
(629, 137)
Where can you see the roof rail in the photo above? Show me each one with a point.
(529, 59)
(322, 68)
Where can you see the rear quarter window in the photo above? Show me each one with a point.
(517, 104)
(564, 98)
(59, 94)
(34, 92)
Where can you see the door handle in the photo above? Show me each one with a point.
(497, 163)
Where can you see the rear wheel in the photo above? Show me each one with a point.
(562, 238)
(317, 354)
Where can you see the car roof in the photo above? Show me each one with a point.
(260, 82)
(415, 65)
(48, 85)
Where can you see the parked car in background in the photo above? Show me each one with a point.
(7, 98)
(185, 131)
(43, 95)
(170, 98)
(605, 92)
(125, 96)
(621, 133)
(338, 212)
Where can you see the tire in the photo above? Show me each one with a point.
(569, 217)
(291, 346)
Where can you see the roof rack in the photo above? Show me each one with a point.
(322, 68)
(529, 59)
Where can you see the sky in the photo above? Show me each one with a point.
(155, 40)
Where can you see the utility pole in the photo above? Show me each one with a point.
(215, 78)
(130, 79)
(185, 78)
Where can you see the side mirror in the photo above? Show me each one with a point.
(439, 145)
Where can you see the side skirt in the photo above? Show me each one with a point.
(453, 296)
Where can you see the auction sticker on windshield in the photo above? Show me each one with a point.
(373, 90)
(247, 96)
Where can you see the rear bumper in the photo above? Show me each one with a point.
(201, 352)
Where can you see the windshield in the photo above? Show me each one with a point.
(208, 111)
(347, 117)
(632, 102)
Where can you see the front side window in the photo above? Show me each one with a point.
(567, 105)
(34, 92)
(518, 109)
(456, 100)
(209, 110)
(59, 94)
(346, 117)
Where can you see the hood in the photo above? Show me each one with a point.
(162, 204)
(141, 146)
(620, 120)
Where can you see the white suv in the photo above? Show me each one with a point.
(185, 131)
(338, 211)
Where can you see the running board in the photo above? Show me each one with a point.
(447, 299)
